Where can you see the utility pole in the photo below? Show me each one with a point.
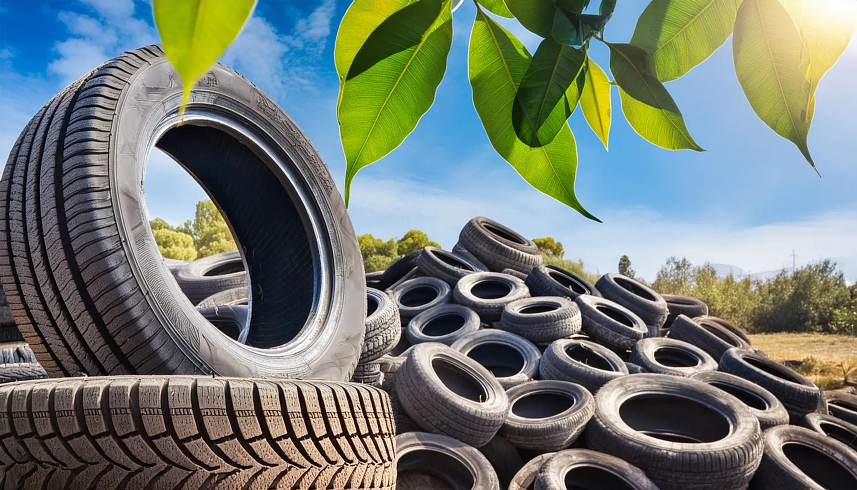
(794, 261)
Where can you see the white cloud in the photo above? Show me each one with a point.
(389, 208)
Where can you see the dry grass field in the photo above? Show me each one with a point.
(830, 361)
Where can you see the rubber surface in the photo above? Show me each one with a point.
(488, 293)
(442, 323)
(707, 335)
(832, 427)
(585, 469)
(423, 458)
(842, 405)
(541, 320)
(547, 415)
(580, 361)
(683, 305)
(762, 403)
(512, 360)
(550, 280)
(176, 432)
(670, 356)
(211, 275)
(498, 246)
(447, 266)
(644, 301)
(383, 326)
(610, 323)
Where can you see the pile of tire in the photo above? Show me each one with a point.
(227, 372)
(507, 373)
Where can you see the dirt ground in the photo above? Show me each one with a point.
(830, 361)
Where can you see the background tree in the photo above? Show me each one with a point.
(413, 241)
(675, 277)
(174, 244)
(550, 246)
(211, 234)
(625, 266)
(377, 253)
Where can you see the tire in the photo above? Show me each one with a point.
(82, 271)
(446, 392)
(443, 323)
(670, 356)
(637, 297)
(446, 266)
(412, 274)
(762, 403)
(550, 280)
(211, 275)
(633, 368)
(799, 395)
(830, 426)
(373, 280)
(488, 293)
(230, 297)
(512, 360)
(8, 330)
(18, 363)
(513, 272)
(232, 321)
(707, 335)
(398, 269)
(582, 468)
(368, 374)
(164, 432)
(728, 326)
(649, 420)
(436, 461)
(415, 296)
(842, 406)
(609, 323)
(547, 415)
(504, 458)
(457, 249)
(683, 305)
(541, 320)
(498, 246)
(525, 478)
(813, 462)
(579, 361)
(383, 326)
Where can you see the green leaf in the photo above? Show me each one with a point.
(535, 15)
(647, 105)
(497, 63)
(561, 20)
(392, 81)
(358, 23)
(826, 29)
(680, 34)
(496, 7)
(541, 108)
(195, 33)
(772, 66)
(595, 100)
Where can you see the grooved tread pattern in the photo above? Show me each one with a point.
(195, 432)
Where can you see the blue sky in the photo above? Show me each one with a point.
(749, 200)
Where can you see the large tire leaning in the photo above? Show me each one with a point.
(609, 323)
(499, 247)
(512, 359)
(547, 415)
(800, 459)
(682, 305)
(550, 280)
(637, 297)
(682, 433)
(798, 394)
(707, 335)
(211, 275)
(728, 326)
(422, 459)
(580, 361)
(582, 468)
(447, 266)
(832, 427)
(670, 356)
(165, 432)
(81, 268)
(842, 405)
(765, 406)
(446, 392)
(383, 326)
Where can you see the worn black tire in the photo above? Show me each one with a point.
(446, 392)
(498, 246)
(368, 374)
(417, 295)
(446, 266)
(633, 368)
(550, 280)
(832, 427)
(459, 250)
(671, 356)
(422, 459)
(707, 335)
(631, 409)
(762, 403)
(512, 272)
(644, 301)
(488, 293)
(728, 326)
(504, 458)
(682, 305)
(8, 330)
(582, 468)
(547, 415)
(798, 394)
(609, 323)
(231, 320)
(443, 323)
(373, 280)
(525, 478)
(18, 363)
(230, 297)
(169, 432)
(383, 326)
(842, 405)
(512, 360)
(398, 269)
(541, 320)
(81, 269)
(211, 275)
(814, 462)
(580, 361)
